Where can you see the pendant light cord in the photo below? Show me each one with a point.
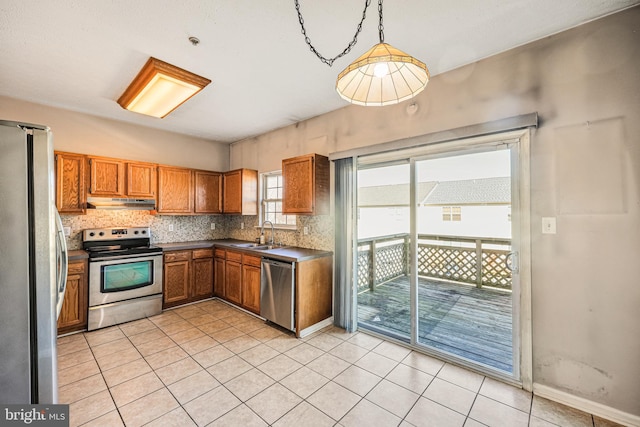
(329, 61)
(380, 26)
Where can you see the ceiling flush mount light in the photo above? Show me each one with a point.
(382, 76)
(159, 88)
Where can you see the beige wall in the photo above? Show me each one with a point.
(86, 134)
(585, 171)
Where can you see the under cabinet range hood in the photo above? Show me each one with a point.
(120, 203)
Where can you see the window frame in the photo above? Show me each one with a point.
(452, 213)
(264, 200)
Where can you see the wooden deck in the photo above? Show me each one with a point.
(459, 319)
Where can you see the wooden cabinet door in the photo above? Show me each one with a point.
(70, 179)
(240, 192)
(202, 265)
(305, 185)
(219, 277)
(232, 199)
(251, 288)
(233, 281)
(175, 190)
(297, 185)
(208, 196)
(177, 277)
(106, 177)
(73, 315)
(141, 180)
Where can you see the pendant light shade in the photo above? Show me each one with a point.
(382, 76)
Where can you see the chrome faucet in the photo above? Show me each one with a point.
(272, 239)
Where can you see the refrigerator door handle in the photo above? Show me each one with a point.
(62, 263)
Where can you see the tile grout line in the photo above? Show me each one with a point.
(279, 349)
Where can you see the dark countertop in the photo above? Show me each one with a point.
(182, 246)
(288, 253)
(77, 255)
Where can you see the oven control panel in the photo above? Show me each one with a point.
(97, 234)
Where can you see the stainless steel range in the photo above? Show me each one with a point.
(125, 275)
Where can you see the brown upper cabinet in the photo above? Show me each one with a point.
(208, 196)
(178, 191)
(106, 177)
(240, 189)
(70, 190)
(175, 190)
(141, 180)
(187, 191)
(305, 182)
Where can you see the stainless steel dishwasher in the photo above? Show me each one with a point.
(277, 292)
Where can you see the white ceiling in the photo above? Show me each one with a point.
(82, 54)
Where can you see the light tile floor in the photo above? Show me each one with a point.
(209, 364)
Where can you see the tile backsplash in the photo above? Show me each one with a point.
(320, 229)
(198, 227)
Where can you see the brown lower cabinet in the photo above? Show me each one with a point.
(188, 276)
(313, 292)
(237, 279)
(251, 283)
(73, 316)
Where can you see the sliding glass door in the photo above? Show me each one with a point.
(464, 298)
(436, 252)
(384, 215)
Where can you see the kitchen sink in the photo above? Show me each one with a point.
(247, 245)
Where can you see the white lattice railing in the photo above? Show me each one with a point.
(475, 260)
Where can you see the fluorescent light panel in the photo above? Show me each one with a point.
(159, 88)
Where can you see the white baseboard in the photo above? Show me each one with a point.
(586, 405)
(313, 328)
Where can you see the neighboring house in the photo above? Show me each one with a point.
(384, 209)
(475, 208)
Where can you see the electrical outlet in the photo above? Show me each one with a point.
(242, 226)
(213, 225)
(548, 225)
(170, 227)
(305, 230)
(67, 231)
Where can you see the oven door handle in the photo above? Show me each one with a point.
(118, 257)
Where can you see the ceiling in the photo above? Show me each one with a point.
(82, 54)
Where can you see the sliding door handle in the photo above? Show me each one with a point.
(512, 262)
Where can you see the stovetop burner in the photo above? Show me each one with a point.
(107, 242)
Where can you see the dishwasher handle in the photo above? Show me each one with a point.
(277, 263)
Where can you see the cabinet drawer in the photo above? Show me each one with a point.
(252, 260)
(177, 256)
(202, 253)
(234, 256)
(220, 253)
(76, 267)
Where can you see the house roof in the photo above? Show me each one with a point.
(391, 195)
(471, 192)
(465, 192)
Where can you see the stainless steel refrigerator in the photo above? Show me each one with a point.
(33, 265)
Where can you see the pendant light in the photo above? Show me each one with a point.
(382, 76)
